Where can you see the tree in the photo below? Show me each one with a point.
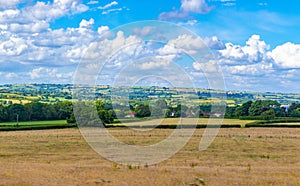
(142, 111)
(3, 114)
(268, 115)
(63, 109)
(293, 109)
(260, 106)
(230, 112)
(295, 113)
(105, 116)
(244, 109)
(159, 109)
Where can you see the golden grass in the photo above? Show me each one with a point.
(205, 121)
(247, 156)
(16, 101)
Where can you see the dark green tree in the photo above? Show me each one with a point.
(142, 111)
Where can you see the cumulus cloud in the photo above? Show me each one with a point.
(214, 43)
(51, 73)
(4, 4)
(187, 7)
(102, 29)
(253, 52)
(42, 11)
(87, 24)
(183, 43)
(287, 55)
(195, 6)
(13, 47)
(36, 27)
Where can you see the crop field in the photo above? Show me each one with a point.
(184, 121)
(238, 156)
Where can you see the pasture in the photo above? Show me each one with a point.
(238, 156)
(34, 125)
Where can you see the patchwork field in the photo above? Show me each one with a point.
(238, 156)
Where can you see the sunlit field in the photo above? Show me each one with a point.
(238, 156)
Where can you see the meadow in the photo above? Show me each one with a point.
(34, 125)
(238, 156)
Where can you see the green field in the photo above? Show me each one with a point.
(35, 125)
(27, 123)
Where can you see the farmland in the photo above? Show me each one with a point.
(256, 144)
(238, 156)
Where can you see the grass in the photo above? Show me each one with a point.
(247, 156)
(16, 101)
(172, 122)
(35, 125)
(30, 123)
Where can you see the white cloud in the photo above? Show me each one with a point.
(183, 43)
(13, 47)
(50, 73)
(93, 2)
(143, 31)
(11, 75)
(287, 55)
(42, 11)
(253, 52)
(251, 69)
(214, 43)
(9, 15)
(174, 15)
(114, 3)
(187, 7)
(87, 24)
(102, 29)
(112, 10)
(195, 6)
(37, 27)
(5, 4)
(211, 66)
(157, 62)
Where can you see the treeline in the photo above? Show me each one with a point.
(108, 112)
(36, 111)
(262, 109)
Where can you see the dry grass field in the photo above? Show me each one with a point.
(238, 156)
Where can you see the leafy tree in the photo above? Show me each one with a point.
(14, 110)
(268, 114)
(244, 109)
(3, 114)
(295, 113)
(159, 109)
(292, 111)
(260, 106)
(230, 112)
(63, 109)
(105, 116)
(142, 111)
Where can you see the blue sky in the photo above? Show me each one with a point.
(256, 43)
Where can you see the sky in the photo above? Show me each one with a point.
(255, 43)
